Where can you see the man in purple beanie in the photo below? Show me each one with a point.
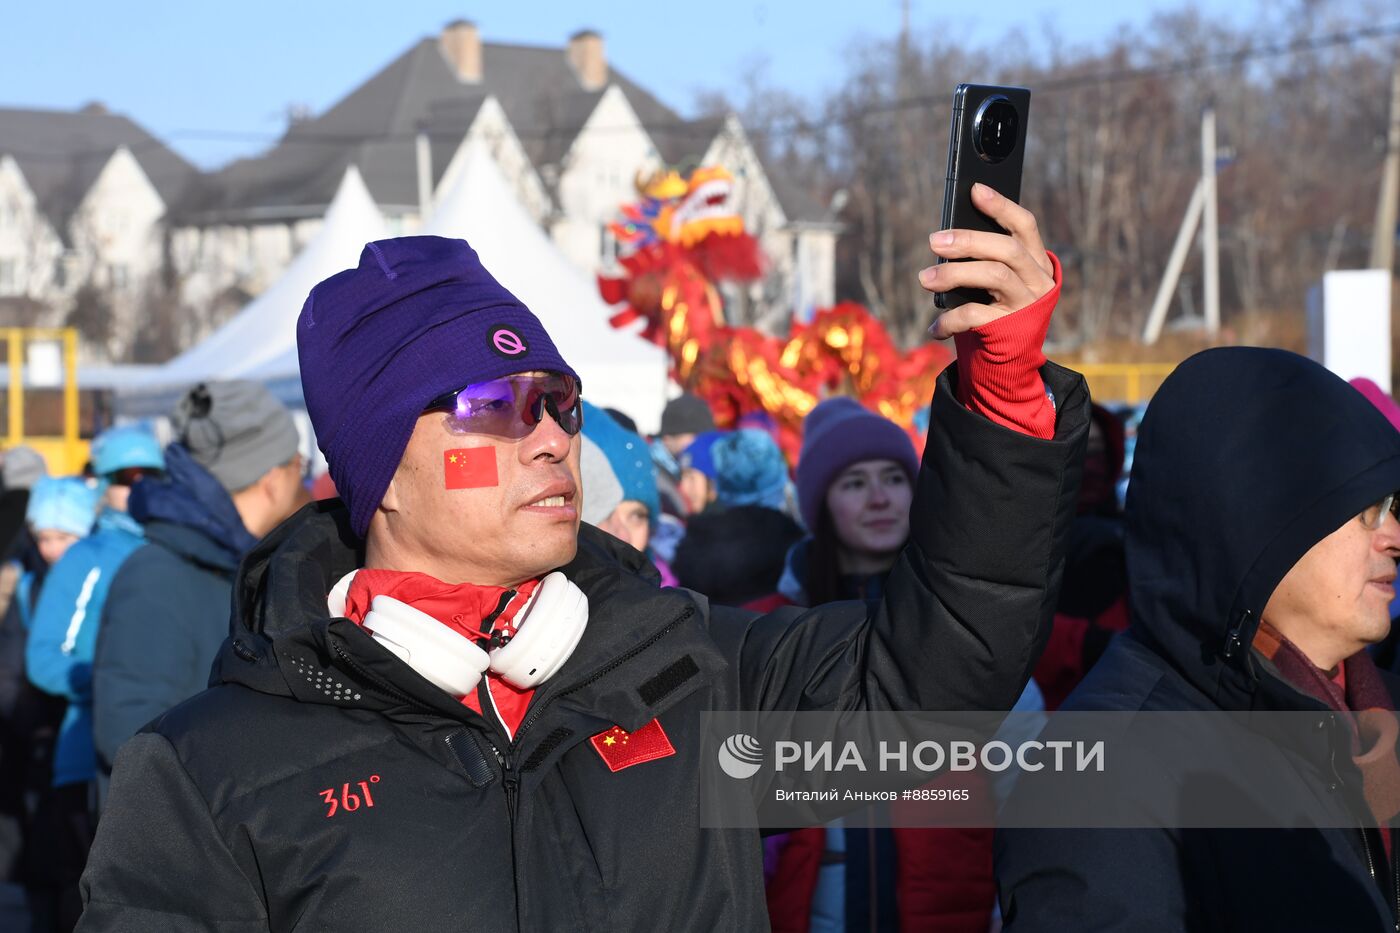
(445, 704)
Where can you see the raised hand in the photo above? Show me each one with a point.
(1014, 268)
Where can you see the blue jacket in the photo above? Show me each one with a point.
(168, 611)
(63, 636)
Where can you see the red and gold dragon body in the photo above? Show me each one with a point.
(677, 245)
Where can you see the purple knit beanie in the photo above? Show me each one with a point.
(837, 433)
(418, 317)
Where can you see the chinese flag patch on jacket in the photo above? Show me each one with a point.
(620, 749)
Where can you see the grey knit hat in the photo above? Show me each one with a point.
(236, 430)
(24, 466)
(602, 493)
(686, 414)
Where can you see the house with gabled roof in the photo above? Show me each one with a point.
(84, 196)
(570, 132)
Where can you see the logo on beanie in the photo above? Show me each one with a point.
(506, 342)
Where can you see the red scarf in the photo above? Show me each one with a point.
(461, 607)
(1357, 690)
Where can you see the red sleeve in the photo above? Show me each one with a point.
(999, 366)
(945, 880)
(794, 881)
(1061, 664)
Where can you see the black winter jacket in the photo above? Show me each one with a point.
(1246, 458)
(324, 785)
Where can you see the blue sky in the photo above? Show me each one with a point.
(216, 80)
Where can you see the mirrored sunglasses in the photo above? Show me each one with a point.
(512, 406)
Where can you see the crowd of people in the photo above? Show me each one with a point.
(116, 586)
(236, 696)
(121, 580)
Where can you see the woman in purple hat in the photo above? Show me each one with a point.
(855, 486)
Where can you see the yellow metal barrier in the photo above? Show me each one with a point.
(67, 452)
(1131, 383)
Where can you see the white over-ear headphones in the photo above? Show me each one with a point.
(547, 630)
(446, 658)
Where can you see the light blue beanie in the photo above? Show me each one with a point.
(62, 504)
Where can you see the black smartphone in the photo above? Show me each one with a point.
(988, 144)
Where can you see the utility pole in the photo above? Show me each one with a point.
(1210, 227)
(904, 28)
(1167, 289)
(1203, 205)
(1383, 235)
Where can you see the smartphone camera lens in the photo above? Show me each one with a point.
(994, 129)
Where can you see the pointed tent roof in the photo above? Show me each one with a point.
(266, 328)
(618, 369)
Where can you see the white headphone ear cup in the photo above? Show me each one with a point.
(445, 658)
(547, 632)
(335, 600)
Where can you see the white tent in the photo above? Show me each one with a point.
(266, 328)
(619, 370)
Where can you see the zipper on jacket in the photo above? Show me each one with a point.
(380, 684)
(1234, 635)
(1394, 879)
(510, 781)
(1361, 828)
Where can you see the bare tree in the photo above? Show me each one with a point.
(1112, 159)
(92, 315)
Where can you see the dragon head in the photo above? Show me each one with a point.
(680, 210)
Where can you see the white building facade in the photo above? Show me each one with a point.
(569, 132)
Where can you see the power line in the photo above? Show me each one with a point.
(707, 128)
(1073, 82)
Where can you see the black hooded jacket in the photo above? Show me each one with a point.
(324, 785)
(1246, 458)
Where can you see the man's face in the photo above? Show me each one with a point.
(118, 489)
(53, 543)
(286, 491)
(696, 489)
(116, 496)
(1336, 599)
(510, 516)
(630, 522)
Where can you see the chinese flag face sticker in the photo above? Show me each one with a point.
(470, 468)
(620, 749)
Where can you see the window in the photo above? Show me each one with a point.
(118, 274)
(9, 283)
